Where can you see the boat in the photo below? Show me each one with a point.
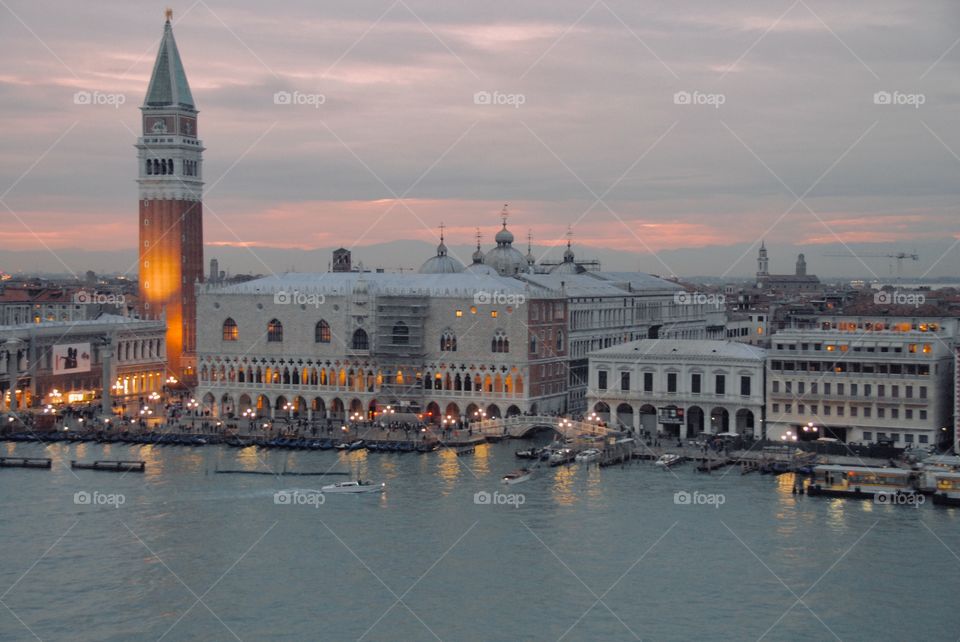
(353, 487)
(353, 445)
(562, 456)
(879, 484)
(667, 460)
(517, 476)
(947, 491)
(529, 453)
(588, 455)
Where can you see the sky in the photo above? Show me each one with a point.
(641, 127)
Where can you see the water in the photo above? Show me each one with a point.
(460, 570)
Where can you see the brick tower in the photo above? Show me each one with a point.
(171, 210)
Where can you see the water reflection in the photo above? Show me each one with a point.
(448, 467)
(564, 479)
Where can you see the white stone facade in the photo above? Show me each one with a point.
(679, 388)
(443, 344)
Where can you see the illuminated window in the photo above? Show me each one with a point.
(493, 314)
(459, 313)
(321, 332)
(230, 330)
(274, 331)
(927, 348)
(473, 309)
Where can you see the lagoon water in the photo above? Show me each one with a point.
(589, 554)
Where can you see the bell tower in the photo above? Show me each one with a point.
(170, 179)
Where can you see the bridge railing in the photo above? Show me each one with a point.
(520, 424)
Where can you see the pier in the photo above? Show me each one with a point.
(111, 465)
(25, 462)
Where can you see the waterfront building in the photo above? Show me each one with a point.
(448, 340)
(321, 346)
(863, 380)
(71, 362)
(170, 179)
(678, 387)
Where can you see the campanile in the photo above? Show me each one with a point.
(170, 178)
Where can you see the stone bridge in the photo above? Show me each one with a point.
(523, 425)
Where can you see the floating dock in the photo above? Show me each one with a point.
(25, 462)
(111, 465)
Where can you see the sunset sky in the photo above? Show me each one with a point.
(589, 134)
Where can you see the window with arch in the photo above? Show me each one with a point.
(274, 331)
(321, 332)
(401, 334)
(149, 168)
(500, 342)
(448, 341)
(360, 340)
(230, 330)
(533, 344)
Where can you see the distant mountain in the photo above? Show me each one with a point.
(937, 259)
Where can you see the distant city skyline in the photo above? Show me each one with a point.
(645, 131)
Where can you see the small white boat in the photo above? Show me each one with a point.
(561, 456)
(588, 455)
(517, 476)
(668, 460)
(353, 487)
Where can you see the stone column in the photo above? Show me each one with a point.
(106, 376)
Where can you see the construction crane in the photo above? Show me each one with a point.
(899, 256)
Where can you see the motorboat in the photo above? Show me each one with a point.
(667, 460)
(353, 445)
(517, 476)
(588, 455)
(562, 456)
(354, 487)
(529, 453)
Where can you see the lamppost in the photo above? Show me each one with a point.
(289, 408)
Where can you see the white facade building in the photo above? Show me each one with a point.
(333, 344)
(863, 380)
(679, 387)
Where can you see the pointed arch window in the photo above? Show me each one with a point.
(500, 342)
(448, 341)
(360, 340)
(274, 331)
(230, 330)
(321, 333)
